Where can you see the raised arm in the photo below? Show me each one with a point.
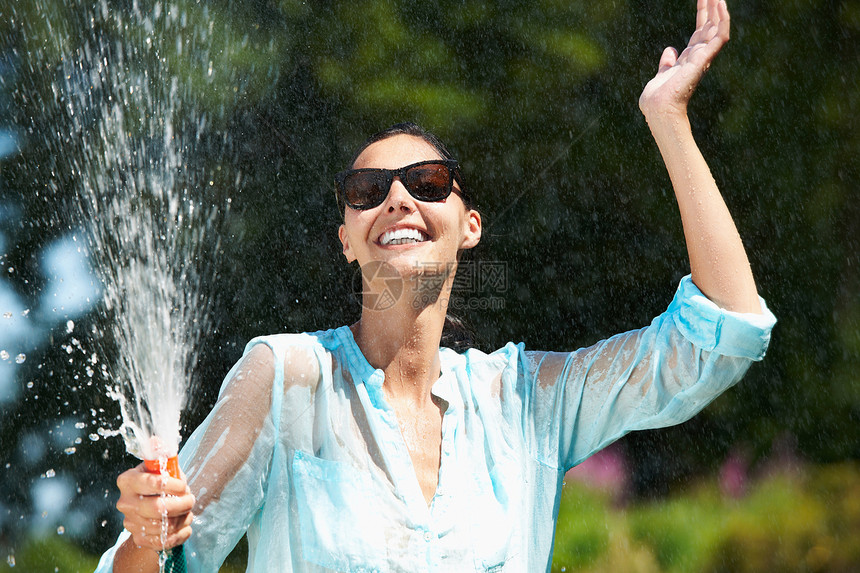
(718, 262)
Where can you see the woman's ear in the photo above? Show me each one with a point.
(472, 234)
(344, 240)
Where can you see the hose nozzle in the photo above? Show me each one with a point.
(171, 466)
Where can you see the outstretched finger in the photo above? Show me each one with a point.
(707, 41)
(724, 20)
(716, 33)
(701, 13)
(715, 16)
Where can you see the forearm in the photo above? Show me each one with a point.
(718, 261)
(131, 558)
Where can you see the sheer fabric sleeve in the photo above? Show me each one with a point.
(227, 460)
(577, 403)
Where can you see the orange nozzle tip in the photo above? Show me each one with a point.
(154, 466)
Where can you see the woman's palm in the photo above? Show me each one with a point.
(677, 76)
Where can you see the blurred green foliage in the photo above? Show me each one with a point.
(49, 555)
(538, 100)
(787, 522)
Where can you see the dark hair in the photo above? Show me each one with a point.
(456, 334)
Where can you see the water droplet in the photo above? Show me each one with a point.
(70, 326)
(30, 384)
(4, 355)
(50, 473)
(80, 425)
(11, 270)
(10, 560)
(70, 450)
(104, 522)
(94, 437)
(26, 312)
(20, 358)
(61, 530)
(7, 315)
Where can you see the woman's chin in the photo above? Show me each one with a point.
(409, 258)
(415, 264)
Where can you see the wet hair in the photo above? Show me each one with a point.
(456, 334)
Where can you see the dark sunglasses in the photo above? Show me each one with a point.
(363, 189)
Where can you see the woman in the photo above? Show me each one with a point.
(370, 448)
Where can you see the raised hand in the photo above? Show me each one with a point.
(677, 76)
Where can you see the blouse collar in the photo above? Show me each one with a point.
(363, 372)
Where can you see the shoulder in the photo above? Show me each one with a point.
(474, 360)
(279, 343)
(513, 363)
(296, 358)
(480, 370)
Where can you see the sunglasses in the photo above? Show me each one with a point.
(429, 181)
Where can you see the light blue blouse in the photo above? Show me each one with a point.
(321, 479)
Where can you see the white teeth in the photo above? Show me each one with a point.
(401, 236)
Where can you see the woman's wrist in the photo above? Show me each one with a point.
(132, 557)
(671, 131)
(667, 118)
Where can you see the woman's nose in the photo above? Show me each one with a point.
(398, 197)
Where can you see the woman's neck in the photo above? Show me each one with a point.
(404, 343)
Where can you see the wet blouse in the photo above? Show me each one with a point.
(303, 452)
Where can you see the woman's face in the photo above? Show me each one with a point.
(445, 227)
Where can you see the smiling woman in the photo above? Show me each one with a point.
(372, 447)
(431, 181)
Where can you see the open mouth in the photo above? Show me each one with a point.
(403, 237)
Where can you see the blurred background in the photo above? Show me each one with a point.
(582, 238)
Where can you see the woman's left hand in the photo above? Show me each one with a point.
(677, 77)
